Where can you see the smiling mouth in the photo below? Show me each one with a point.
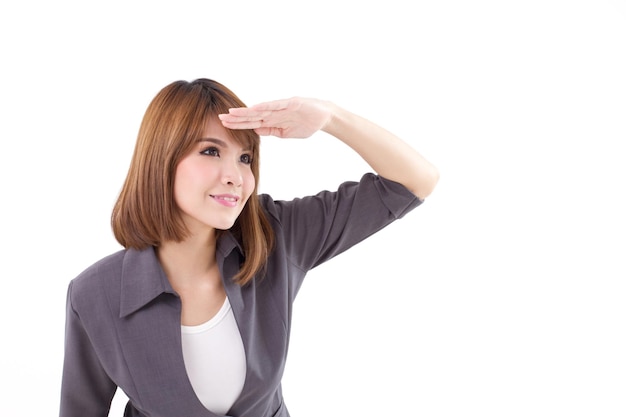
(226, 199)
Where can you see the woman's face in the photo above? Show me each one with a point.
(214, 181)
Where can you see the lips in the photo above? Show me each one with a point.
(228, 200)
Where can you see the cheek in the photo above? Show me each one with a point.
(183, 180)
(179, 189)
(250, 182)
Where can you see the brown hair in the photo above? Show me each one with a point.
(145, 213)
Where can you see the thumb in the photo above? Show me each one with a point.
(269, 131)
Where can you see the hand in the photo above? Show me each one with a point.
(296, 117)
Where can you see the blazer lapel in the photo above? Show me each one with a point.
(150, 334)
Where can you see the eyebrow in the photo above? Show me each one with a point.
(220, 142)
(213, 140)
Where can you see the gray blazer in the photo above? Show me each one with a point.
(123, 317)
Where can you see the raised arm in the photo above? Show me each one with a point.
(298, 117)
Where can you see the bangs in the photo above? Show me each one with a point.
(218, 100)
(247, 139)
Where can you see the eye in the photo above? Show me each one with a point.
(246, 158)
(211, 151)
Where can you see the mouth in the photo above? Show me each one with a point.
(228, 200)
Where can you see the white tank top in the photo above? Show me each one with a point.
(215, 360)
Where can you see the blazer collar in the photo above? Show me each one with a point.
(227, 243)
(143, 279)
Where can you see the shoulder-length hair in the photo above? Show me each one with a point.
(146, 213)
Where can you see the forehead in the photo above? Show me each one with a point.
(235, 138)
(214, 129)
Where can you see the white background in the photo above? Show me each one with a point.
(503, 295)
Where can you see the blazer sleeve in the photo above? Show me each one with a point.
(317, 228)
(86, 389)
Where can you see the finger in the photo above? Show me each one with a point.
(242, 114)
(229, 119)
(270, 131)
(243, 111)
(264, 131)
(274, 105)
(251, 124)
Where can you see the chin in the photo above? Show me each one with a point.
(224, 225)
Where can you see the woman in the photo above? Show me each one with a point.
(192, 317)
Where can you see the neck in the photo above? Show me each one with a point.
(190, 262)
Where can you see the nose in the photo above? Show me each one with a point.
(231, 174)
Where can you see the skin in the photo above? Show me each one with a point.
(299, 117)
(212, 184)
(190, 265)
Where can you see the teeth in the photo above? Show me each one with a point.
(227, 198)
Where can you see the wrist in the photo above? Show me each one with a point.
(336, 119)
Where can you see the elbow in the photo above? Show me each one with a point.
(426, 183)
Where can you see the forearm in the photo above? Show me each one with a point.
(387, 154)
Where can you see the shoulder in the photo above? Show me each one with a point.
(90, 281)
